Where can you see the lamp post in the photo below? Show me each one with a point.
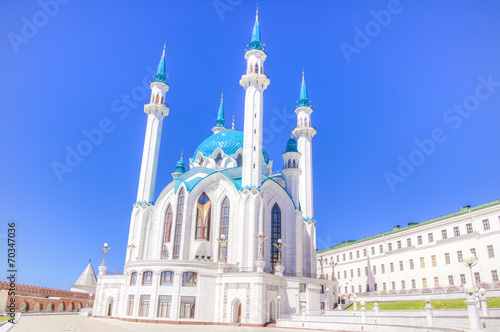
(105, 249)
(484, 301)
(222, 243)
(279, 306)
(321, 261)
(470, 261)
(333, 264)
(131, 248)
(355, 303)
(279, 246)
(428, 310)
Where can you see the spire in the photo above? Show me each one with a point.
(87, 278)
(220, 116)
(303, 100)
(232, 126)
(160, 74)
(256, 44)
(180, 167)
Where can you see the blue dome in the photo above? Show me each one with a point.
(291, 145)
(180, 166)
(228, 140)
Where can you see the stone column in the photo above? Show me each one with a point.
(475, 324)
(484, 305)
(428, 312)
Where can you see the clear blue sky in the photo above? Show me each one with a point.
(72, 72)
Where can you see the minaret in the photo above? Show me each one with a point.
(291, 170)
(220, 123)
(156, 111)
(254, 82)
(304, 133)
(180, 168)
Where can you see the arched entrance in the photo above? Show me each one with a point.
(236, 311)
(109, 307)
(24, 307)
(272, 312)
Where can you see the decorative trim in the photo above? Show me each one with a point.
(228, 286)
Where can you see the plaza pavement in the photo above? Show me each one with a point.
(77, 323)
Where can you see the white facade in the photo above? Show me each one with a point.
(426, 255)
(177, 269)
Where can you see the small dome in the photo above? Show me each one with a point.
(291, 145)
(229, 141)
(180, 166)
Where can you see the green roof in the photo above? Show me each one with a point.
(411, 225)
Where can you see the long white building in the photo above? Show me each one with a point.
(426, 255)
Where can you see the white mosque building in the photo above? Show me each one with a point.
(227, 241)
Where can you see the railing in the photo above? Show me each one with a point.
(435, 290)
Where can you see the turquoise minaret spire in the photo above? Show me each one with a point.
(220, 123)
(255, 43)
(160, 74)
(303, 100)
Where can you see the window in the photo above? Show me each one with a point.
(345, 274)
(447, 258)
(147, 278)
(389, 246)
(367, 288)
(393, 285)
(469, 228)
(392, 267)
(456, 231)
(133, 279)
(401, 266)
(359, 288)
(462, 279)
(239, 161)
(275, 232)
(359, 272)
(338, 273)
(322, 289)
(366, 270)
(434, 262)
(343, 257)
(224, 225)
(357, 253)
(218, 160)
(164, 304)
(431, 237)
(375, 288)
(460, 256)
(408, 242)
(419, 239)
(424, 282)
(203, 218)
(403, 284)
(178, 225)
(486, 224)
(373, 250)
(412, 266)
(130, 307)
(473, 251)
(167, 226)
(187, 307)
(450, 280)
(436, 281)
(494, 275)
(374, 269)
(444, 234)
(352, 273)
(413, 283)
(322, 305)
(399, 244)
(167, 278)
(302, 288)
(380, 249)
(144, 305)
(384, 286)
(338, 260)
(189, 279)
(477, 277)
(364, 252)
(352, 289)
(350, 255)
(422, 262)
(491, 253)
(382, 267)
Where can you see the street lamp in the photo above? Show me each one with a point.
(470, 261)
(222, 243)
(327, 290)
(104, 251)
(279, 306)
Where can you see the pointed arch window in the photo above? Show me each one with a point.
(275, 232)
(224, 225)
(178, 225)
(203, 218)
(251, 68)
(257, 68)
(239, 161)
(289, 163)
(294, 164)
(167, 227)
(218, 159)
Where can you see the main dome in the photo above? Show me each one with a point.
(229, 141)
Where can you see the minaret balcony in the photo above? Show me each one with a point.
(158, 109)
(258, 80)
(308, 131)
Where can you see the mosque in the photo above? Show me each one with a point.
(227, 241)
